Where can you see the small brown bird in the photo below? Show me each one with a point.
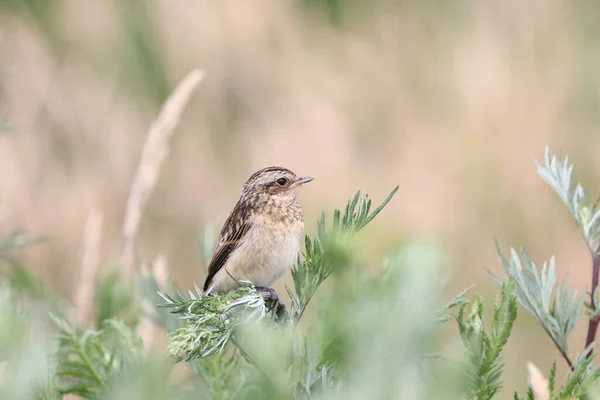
(261, 237)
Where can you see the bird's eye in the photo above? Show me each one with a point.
(281, 181)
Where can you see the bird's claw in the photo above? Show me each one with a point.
(272, 300)
(268, 294)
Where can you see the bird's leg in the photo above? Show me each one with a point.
(272, 299)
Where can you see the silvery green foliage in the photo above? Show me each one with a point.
(458, 301)
(210, 320)
(550, 302)
(583, 376)
(557, 174)
(556, 309)
(311, 372)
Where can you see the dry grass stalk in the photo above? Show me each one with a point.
(538, 383)
(154, 153)
(84, 298)
(161, 272)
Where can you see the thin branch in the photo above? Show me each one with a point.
(558, 346)
(593, 326)
(154, 153)
(302, 312)
(560, 349)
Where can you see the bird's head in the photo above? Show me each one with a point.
(275, 182)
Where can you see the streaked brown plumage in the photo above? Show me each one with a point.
(260, 239)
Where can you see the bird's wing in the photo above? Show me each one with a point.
(231, 237)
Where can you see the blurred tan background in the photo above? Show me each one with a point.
(451, 100)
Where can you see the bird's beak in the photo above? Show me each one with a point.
(302, 180)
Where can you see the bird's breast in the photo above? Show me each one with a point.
(269, 250)
(279, 241)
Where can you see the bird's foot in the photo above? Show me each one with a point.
(268, 294)
(272, 300)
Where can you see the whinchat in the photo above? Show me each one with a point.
(260, 239)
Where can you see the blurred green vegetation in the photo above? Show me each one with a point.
(372, 336)
(361, 345)
(450, 99)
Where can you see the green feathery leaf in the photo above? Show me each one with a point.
(484, 350)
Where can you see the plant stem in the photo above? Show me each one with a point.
(302, 311)
(558, 346)
(593, 326)
(84, 359)
(562, 352)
